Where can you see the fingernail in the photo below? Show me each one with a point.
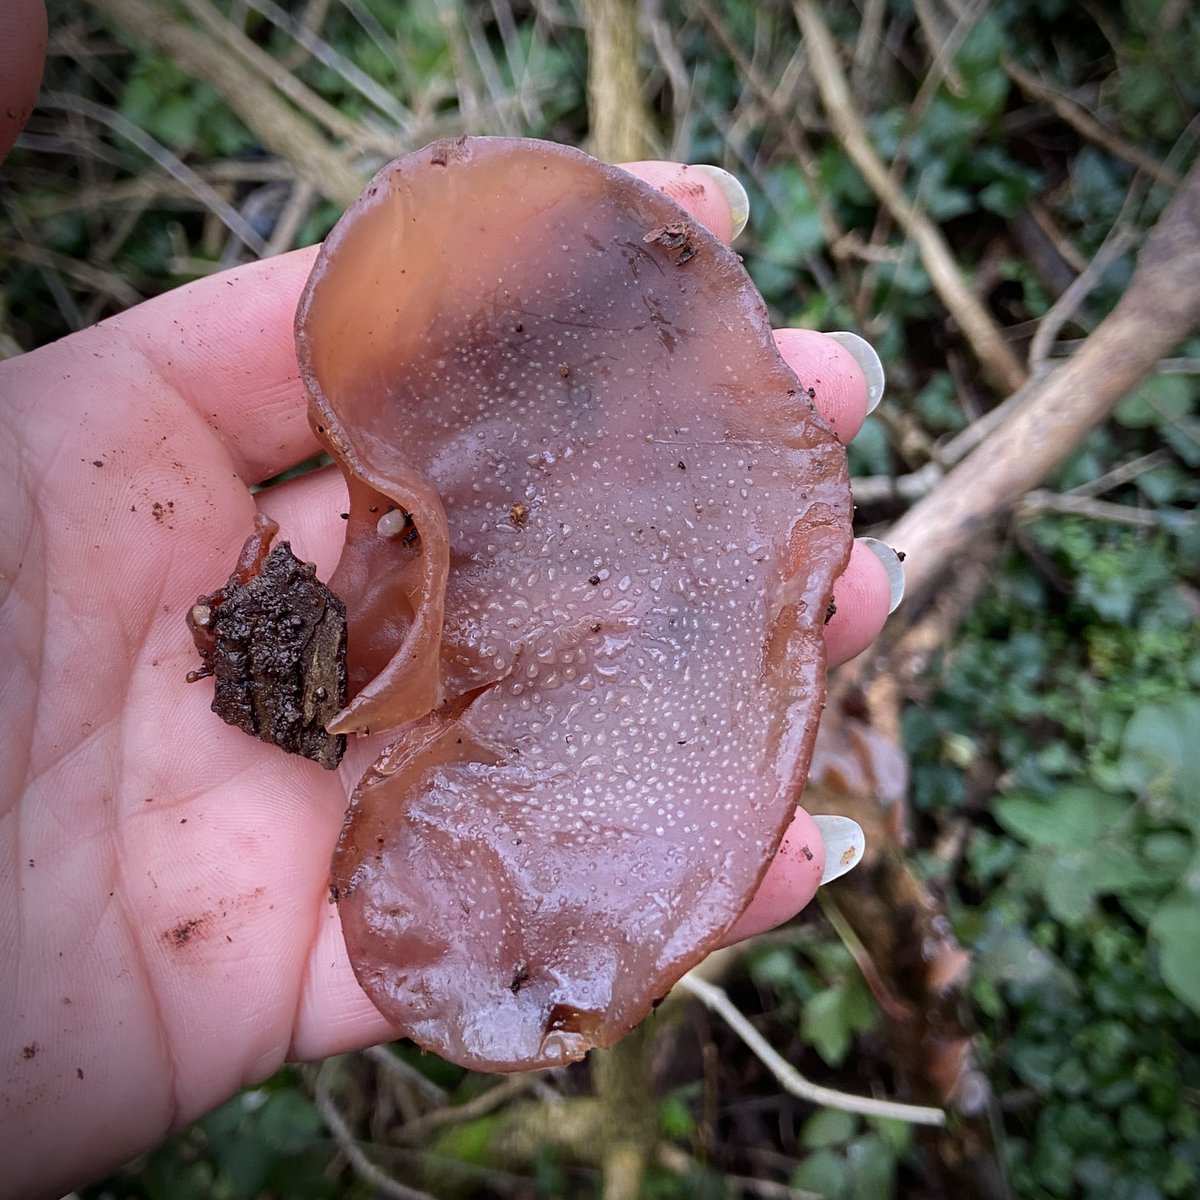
(868, 360)
(844, 845)
(892, 565)
(732, 190)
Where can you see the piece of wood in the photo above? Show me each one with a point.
(1160, 307)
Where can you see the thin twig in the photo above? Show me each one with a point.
(896, 1009)
(665, 39)
(769, 1189)
(293, 214)
(715, 999)
(942, 68)
(1119, 239)
(361, 1165)
(1122, 474)
(866, 45)
(995, 356)
(408, 1076)
(1044, 501)
(790, 129)
(1075, 115)
(64, 301)
(106, 285)
(937, 42)
(487, 1102)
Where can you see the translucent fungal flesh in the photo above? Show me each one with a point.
(595, 624)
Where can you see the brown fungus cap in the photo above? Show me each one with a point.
(594, 527)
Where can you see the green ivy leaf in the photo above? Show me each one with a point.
(1161, 750)
(1070, 889)
(829, 1127)
(1156, 402)
(1071, 820)
(825, 1173)
(1175, 927)
(824, 1024)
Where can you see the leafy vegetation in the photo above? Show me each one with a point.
(1054, 740)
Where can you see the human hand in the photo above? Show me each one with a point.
(166, 876)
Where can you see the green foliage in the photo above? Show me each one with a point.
(849, 1158)
(182, 112)
(266, 1141)
(1081, 684)
(824, 989)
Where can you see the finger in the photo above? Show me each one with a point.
(22, 56)
(869, 589)
(225, 344)
(307, 509)
(843, 371)
(814, 851)
(334, 1015)
(709, 194)
(790, 883)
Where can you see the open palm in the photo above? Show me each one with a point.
(165, 927)
(169, 875)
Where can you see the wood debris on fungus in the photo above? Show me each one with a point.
(598, 729)
(675, 235)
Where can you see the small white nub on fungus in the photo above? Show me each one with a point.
(393, 524)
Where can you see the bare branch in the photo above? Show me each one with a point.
(715, 999)
(994, 355)
(1159, 309)
(620, 129)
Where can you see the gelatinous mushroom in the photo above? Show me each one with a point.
(594, 527)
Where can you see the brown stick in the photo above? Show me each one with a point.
(1158, 310)
(999, 363)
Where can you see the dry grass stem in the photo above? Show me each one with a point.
(207, 195)
(281, 78)
(280, 128)
(354, 77)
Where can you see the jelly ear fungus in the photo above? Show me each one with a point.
(594, 527)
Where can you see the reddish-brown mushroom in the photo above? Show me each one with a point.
(594, 527)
